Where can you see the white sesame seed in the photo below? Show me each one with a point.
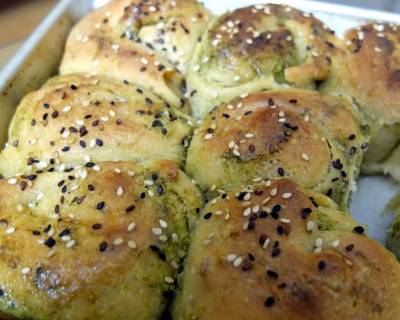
(25, 270)
(169, 280)
(274, 192)
(132, 244)
(286, 195)
(317, 249)
(156, 231)
(284, 220)
(70, 244)
(10, 230)
(231, 257)
(266, 243)
(335, 243)
(231, 144)
(247, 196)
(236, 153)
(377, 49)
(237, 262)
(268, 183)
(118, 241)
(131, 226)
(144, 61)
(249, 41)
(66, 108)
(196, 68)
(318, 242)
(163, 223)
(310, 226)
(236, 78)
(12, 181)
(96, 168)
(247, 212)
(120, 191)
(20, 207)
(65, 238)
(208, 136)
(249, 135)
(148, 183)
(256, 208)
(305, 157)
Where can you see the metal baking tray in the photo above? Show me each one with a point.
(39, 57)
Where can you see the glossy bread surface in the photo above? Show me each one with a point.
(102, 242)
(144, 42)
(259, 47)
(76, 119)
(307, 136)
(277, 252)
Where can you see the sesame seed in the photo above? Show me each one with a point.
(196, 68)
(286, 195)
(359, 230)
(10, 230)
(144, 61)
(132, 244)
(169, 280)
(247, 212)
(131, 226)
(120, 191)
(335, 243)
(12, 181)
(156, 231)
(321, 265)
(237, 262)
(118, 241)
(103, 246)
(305, 157)
(269, 302)
(163, 223)
(231, 257)
(208, 136)
(274, 192)
(310, 226)
(25, 270)
(148, 182)
(70, 244)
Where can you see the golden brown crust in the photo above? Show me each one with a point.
(310, 137)
(146, 42)
(258, 47)
(77, 119)
(371, 71)
(253, 258)
(77, 245)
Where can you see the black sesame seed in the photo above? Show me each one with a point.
(272, 274)
(103, 246)
(149, 101)
(247, 266)
(90, 165)
(50, 242)
(100, 205)
(160, 189)
(269, 302)
(281, 171)
(263, 214)
(352, 136)
(65, 149)
(262, 239)
(159, 252)
(36, 232)
(46, 105)
(65, 232)
(349, 247)
(99, 142)
(337, 164)
(275, 211)
(23, 185)
(207, 215)
(82, 144)
(130, 208)
(54, 114)
(32, 177)
(91, 187)
(96, 226)
(364, 146)
(276, 252)
(73, 87)
(280, 230)
(359, 230)
(305, 213)
(321, 265)
(251, 225)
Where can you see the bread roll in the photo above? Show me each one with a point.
(369, 74)
(145, 42)
(95, 243)
(258, 47)
(307, 136)
(77, 119)
(276, 251)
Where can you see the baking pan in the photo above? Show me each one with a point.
(39, 57)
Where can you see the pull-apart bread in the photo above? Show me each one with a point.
(307, 136)
(77, 119)
(258, 47)
(148, 42)
(369, 74)
(99, 242)
(276, 251)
